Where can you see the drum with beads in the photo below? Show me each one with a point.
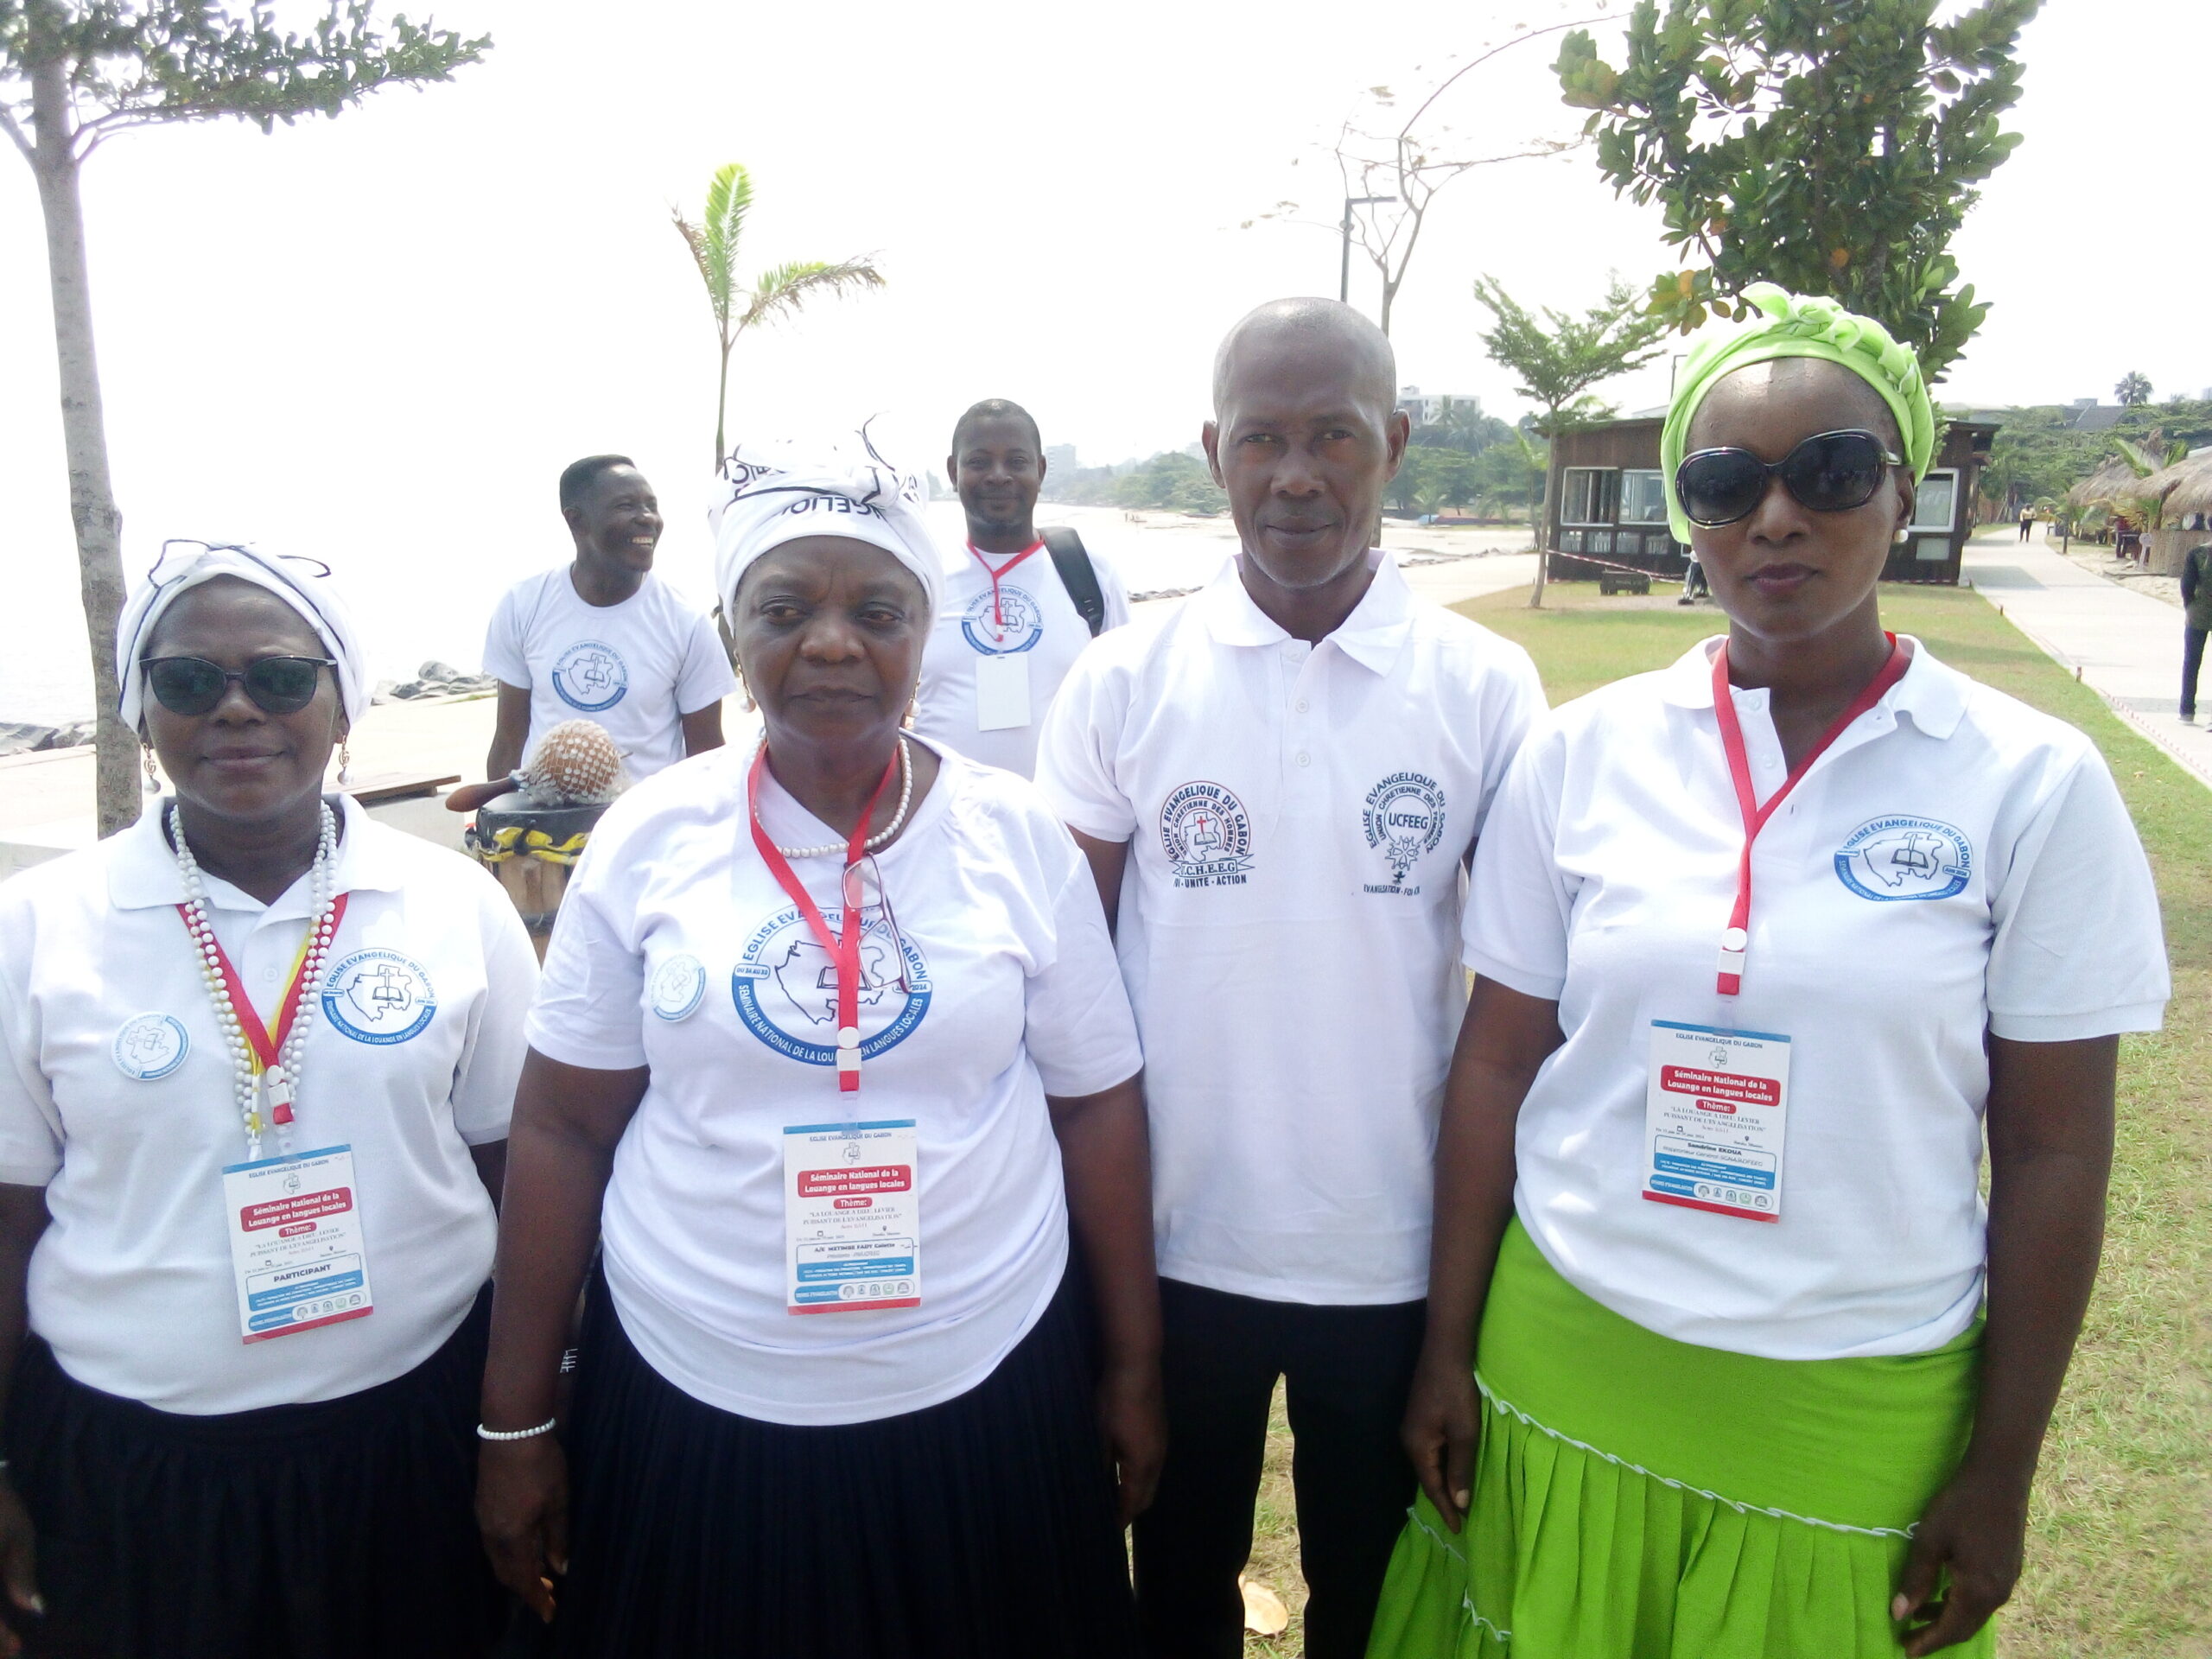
(532, 836)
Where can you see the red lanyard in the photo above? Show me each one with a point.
(1737, 940)
(264, 1045)
(843, 948)
(998, 616)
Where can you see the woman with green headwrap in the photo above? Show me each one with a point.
(1725, 1356)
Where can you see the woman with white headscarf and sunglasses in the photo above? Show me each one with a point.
(831, 1053)
(258, 1054)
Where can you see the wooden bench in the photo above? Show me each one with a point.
(1624, 581)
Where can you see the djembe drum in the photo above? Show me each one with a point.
(530, 833)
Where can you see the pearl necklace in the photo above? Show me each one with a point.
(282, 1079)
(882, 836)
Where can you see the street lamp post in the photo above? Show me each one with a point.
(1343, 268)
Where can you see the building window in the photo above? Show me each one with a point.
(1936, 505)
(1931, 549)
(1570, 541)
(1644, 498)
(1592, 496)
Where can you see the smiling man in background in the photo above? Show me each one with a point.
(603, 639)
(1277, 785)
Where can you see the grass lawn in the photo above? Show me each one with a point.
(2119, 1549)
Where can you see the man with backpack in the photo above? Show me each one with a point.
(1017, 606)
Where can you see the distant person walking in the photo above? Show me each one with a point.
(2027, 522)
(1019, 605)
(603, 639)
(2196, 613)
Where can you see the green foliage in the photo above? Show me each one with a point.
(1170, 481)
(1833, 146)
(2132, 390)
(1561, 357)
(1431, 478)
(2038, 458)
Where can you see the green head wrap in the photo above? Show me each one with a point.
(1799, 325)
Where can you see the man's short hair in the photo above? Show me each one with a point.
(578, 477)
(992, 408)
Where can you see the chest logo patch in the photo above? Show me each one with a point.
(378, 997)
(785, 986)
(590, 677)
(149, 1046)
(1896, 857)
(678, 986)
(1403, 816)
(1024, 625)
(1207, 836)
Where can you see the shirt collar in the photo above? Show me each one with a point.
(1931, 691)
(142, 872)
(1371, 636)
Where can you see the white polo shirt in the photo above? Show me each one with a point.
(677, 949)
(1956, 863)
(411, 1060)
(637, 667)
(1297, 816)
(1034, 623)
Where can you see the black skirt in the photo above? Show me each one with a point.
(343, 1530)
(983, 1528)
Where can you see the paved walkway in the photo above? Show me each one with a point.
(2125, 645)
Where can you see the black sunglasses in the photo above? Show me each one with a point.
(1830, 472)
(193, 685)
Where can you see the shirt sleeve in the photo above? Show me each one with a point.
(30, 1124)
(1079, 1030)
(1115, 589)
(1520, 700)
(2079, 950)
(705, 678)
(484, 1086)
(1076, 751)
(590, 1008)
(1519, 902)
(503, 644)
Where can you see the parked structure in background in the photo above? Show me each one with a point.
(1430, 409)
(1060, 457)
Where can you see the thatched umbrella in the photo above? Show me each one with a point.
(2182, 489)
(2112, 484)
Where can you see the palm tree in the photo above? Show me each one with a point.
(2133, 389)
(777, 292)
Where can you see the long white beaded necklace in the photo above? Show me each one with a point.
(882, 836)
(282, 1079)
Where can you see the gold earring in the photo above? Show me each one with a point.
(153, 783)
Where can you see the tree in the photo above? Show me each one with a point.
(72, 74)
(2132, 390)
(1431, 477)
(1833, 146)
(778, 292)
(1559, 364)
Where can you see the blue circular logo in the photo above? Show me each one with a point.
(1403, 819)
(677, 987)
(379, 996)
(1891, 858)
(150, 1046)
(1015, 624)
(785, 986)
(590, 677)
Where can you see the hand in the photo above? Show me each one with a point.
(17, 1561)
(522, 1509)
(1133, 1420)
(1443, 1426)
(1974, 1530)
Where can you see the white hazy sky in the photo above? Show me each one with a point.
(377, 339)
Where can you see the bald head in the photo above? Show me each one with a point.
(1326, 335)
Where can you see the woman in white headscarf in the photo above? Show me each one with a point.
(257, 1054)
(830, 1027)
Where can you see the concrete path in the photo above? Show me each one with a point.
(2125, 645)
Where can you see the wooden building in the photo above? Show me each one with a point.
(1611, 505)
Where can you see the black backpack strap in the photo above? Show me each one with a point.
(1078, 574)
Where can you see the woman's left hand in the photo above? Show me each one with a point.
(1974, 1531)
(1133, 1420)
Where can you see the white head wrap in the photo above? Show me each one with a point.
(303, 584)
(765, 498)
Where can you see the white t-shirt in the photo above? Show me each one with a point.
(637, 667)
(132, 1281)
(1034, 622)
(677, 949)
(1957, 862)
(1298, 816)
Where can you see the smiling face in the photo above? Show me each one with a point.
(1786, 573)
(829, 635)
(236, 763)
(998, 467)
(617, 524)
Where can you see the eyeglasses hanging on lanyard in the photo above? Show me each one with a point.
(1735, 942)
(997, 573)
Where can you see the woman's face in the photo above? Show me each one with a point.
(829, 633)
(1785, 572)
(238, 762)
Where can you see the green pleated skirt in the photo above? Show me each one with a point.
(1637, 1498)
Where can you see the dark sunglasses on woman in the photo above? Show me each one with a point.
(1830, 472)
(193, 685)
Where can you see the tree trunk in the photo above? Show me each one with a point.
(721, 405)
(1540, 517)
(84, 431)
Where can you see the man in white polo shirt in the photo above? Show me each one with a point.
(603, 639)
(1279, 785)
(1018, 606)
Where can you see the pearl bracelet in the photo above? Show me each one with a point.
(545, 1427)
